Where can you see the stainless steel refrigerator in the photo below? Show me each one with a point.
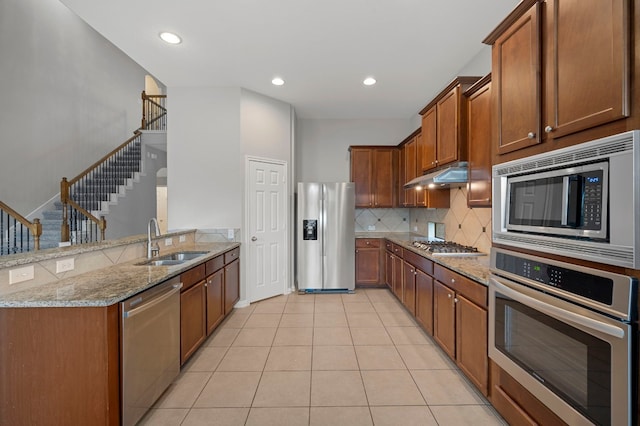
(325, 237)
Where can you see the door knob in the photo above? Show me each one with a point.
(254, 239)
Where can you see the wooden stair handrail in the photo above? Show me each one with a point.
(149, 98)
(103, 159)
(35, 227)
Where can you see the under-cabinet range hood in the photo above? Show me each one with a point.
(442, 178)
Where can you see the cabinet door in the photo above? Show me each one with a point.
(586, 64)
(402, 193)
(397, 277)
(471, 342)
(383, 177)
(444, 317)
(409, 296)
(516, 83)
(409, 172)
(361, 164)
(424, 301)
(448, 126)
(429, 139)
(388, 269)
(215, 300)
(479, 139)
(192, 320)
(368, 266)
(231, 285)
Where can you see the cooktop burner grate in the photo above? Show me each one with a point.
(446, 248)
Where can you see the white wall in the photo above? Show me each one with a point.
(322, 145)
(67, 97)
(205, 166)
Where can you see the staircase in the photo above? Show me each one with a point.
(101, 189)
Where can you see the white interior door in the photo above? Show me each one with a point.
(267, 229)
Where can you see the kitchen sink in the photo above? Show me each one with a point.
(173, 258)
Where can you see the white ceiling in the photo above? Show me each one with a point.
(323, 49)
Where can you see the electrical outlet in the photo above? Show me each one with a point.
(21, 274)
(65, 265)
(415, 228)
(168, 242)
(230, 234)
(371, 228)
(183, 238)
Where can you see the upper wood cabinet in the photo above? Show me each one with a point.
(479, 141)
(559, 67)
(444, 126)
(373, 171)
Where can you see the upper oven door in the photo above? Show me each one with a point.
(570, 201)
(575, 361)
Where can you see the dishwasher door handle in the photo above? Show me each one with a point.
(133, 312)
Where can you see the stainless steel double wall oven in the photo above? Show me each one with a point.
(566, 332)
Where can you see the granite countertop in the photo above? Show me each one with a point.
(108, 286)
(473, 267)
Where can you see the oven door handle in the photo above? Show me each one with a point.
(556, 312)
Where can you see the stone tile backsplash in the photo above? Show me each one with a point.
(463, 225)
(382, 220)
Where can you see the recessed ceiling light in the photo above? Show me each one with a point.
(170, 38)
(369, 81)
(277, 81)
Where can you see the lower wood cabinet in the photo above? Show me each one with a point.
(231, 285)
(424, 301)
(370, 262)
(461, 323)
(208, 294)
(193, 329)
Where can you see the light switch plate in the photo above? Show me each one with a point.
(230, 234)
(21, 274)
(183, 238)
(65, 265)
(168, 242)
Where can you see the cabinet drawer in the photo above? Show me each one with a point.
(214, 264)
(425, 265)
(475, 292)
(231, 255)
(397, 250)
(388, 245)
(192, 276)
(368, 243)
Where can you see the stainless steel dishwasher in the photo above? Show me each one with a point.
(150, 347)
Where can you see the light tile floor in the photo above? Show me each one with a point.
(326, 359)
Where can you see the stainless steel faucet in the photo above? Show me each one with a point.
(152, 250)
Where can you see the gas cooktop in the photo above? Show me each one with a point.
(446, 248)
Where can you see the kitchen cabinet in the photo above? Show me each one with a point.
(373, 172)
(424, 301)
(445, 117)
(480, 143)
(409, 284)
(231, 279)
(460, 323)
(559, 67)
(193, 303)
(370, 262)
(388, 264)
(415, 269)
(208, 294)
(397, 285)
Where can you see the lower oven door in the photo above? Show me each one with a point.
(575, 361)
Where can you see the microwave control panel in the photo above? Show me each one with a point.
(592, 199)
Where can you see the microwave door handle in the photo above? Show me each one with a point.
(565, 201)
(556, 312)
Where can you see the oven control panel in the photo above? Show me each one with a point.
(591, 286)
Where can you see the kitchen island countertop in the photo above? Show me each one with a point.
(110, 285)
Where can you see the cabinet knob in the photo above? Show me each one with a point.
(453, 280)
(548, 129)
(449, 295)
(455, 300)
(531, 135)
(368, 242)
(415, 273)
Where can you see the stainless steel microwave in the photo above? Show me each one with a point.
(581, 201)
